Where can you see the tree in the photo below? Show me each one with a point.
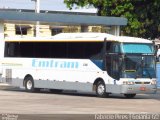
(143, 15)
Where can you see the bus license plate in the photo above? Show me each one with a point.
(142, 88)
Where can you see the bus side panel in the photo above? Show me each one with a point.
(17, 82)
(15, 76)
(67, 80)
(60, 77)
(64, 85)
(56, 79)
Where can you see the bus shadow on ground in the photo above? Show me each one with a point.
(86, 94)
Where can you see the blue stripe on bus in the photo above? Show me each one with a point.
(99, 63)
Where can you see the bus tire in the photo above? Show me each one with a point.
(29, 84)
(129, 95)
(101, 89)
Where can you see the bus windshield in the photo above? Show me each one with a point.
(131, 60)
(137, 48)
(138, 66)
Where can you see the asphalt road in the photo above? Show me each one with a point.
(20, 102)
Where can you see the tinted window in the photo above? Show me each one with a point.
(53, 49)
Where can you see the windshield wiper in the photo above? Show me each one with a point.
(148, 73)
(138, 68)
(139, 65)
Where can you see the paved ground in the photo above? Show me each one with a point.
(15, 101)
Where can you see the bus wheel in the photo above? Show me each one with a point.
(101, 89)
(29, 84)
(129, 95)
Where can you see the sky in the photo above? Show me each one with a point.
(28, 4)
(54, 5)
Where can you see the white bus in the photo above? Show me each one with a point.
(90, 62)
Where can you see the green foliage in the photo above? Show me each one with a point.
(143, 15)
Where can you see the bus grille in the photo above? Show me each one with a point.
(142, 82)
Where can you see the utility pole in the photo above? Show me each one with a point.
(37, 10)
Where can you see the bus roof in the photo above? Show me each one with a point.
(78, 37)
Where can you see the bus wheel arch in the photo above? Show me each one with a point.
(99, 87)
(28, 83)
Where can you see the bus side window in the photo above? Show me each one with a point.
(9, 50)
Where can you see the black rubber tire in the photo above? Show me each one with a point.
(129, 95)
(29, 84)
(101, 89)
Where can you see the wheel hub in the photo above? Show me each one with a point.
(29, 84)
(101, 89)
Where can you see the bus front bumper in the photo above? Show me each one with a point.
(132, 89)
(139, 89)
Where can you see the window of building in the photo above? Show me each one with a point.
(21, 30)
(55, 31)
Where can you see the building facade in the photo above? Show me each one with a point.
(25, 30)
(24, 23)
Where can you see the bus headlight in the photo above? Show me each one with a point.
(153, 82)
(128, 83)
